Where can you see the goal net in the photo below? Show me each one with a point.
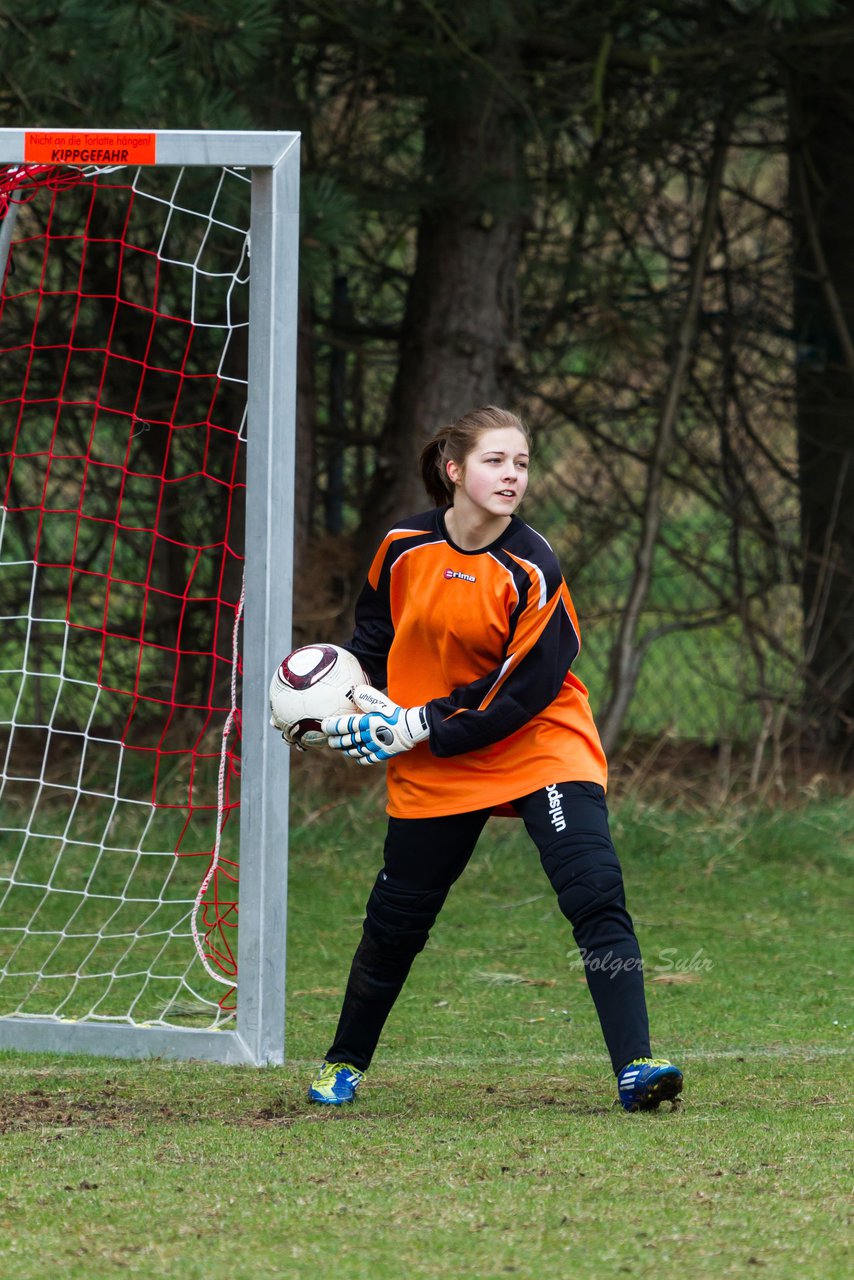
(124, 406)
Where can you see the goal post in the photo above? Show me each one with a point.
(148, 319)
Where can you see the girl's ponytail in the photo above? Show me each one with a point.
(434, 473)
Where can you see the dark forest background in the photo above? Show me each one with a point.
(634, 224)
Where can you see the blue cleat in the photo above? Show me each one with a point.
(335, 1083)
(646, 1082)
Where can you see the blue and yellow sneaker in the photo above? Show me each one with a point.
(646, 1082)
(335, 1082)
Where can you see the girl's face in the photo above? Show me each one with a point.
(493, 479)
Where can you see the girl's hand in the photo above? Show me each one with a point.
(384, 731)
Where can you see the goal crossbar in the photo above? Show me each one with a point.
(256, 1034)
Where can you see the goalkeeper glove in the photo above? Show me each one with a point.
(385, 731)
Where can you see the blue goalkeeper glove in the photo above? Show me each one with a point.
(384, 731)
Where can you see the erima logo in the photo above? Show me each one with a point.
(465, 577)
(558, 821)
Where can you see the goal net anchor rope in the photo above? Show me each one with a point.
(212, 869)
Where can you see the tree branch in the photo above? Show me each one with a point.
(627, 655)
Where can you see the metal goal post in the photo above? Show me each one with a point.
(270, 160)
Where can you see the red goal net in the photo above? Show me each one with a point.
(123, 318)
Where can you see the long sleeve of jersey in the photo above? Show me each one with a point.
(373, 634)
(485, 639)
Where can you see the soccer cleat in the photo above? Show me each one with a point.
(335, 1082)
(646, 1082)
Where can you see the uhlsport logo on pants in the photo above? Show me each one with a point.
(558, 821)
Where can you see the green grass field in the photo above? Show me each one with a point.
(485, 1142)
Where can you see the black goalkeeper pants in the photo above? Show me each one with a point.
(423, 857)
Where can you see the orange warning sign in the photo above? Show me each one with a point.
(66, 146)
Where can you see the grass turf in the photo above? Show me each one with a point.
(484, 1142)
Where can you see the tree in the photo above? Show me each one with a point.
(821, 102)
(459, 322)
(505, 201)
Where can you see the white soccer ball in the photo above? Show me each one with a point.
(310, 683)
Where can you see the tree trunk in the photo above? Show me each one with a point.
(459, 324)
(822, 118)
(306, 416)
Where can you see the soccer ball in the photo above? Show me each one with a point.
(310, 683)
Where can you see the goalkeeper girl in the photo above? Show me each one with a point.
(465, 618)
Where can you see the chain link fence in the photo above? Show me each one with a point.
(718, 634)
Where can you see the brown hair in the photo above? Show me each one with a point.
(455, 443)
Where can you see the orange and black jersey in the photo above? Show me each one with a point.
(485, 639)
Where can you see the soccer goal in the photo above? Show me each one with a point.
(147, 396)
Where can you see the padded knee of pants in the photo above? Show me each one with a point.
(399, 918)
(589, 883)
